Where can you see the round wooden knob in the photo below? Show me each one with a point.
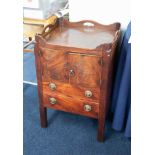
(52, 100)
(88, 93)
(87, 107)
(52, 86)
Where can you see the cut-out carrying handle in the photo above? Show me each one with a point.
(86, 23)
(89, 24)
(48, 28)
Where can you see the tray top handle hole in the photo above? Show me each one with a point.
(89, 24)
(47, 29)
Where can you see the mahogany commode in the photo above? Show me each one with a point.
(74, 64)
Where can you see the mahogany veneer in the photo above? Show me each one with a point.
(74, 63)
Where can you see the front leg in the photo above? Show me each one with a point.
(101, 125)
(43, 116)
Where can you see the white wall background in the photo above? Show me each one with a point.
(102, 11)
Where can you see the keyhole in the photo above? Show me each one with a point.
(71, 72)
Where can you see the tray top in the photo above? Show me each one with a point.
(84, 34)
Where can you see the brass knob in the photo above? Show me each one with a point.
(52, 86)
(88, 93)
(52, 100)
(87, 107)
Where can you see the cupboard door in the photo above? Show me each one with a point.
(54, 65)
(84, 70)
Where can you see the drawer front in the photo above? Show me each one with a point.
(85, 94)
(70, 104)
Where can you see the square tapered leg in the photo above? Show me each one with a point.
(43, 116)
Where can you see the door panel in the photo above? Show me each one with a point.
(54, 65)
(81, 70)
(86, 70)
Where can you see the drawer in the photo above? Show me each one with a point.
(69, 104)
(76, 92)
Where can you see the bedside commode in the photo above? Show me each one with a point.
(74, 64)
